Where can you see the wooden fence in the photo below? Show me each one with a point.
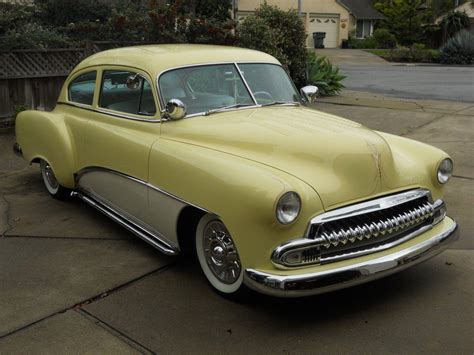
(33, 78)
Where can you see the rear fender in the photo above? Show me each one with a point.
(45, 135)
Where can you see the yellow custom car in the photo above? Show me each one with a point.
(213, 150)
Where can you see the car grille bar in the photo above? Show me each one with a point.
(362, 228)
(376, 224)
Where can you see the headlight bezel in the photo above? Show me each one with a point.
(286, 199)
(444, 171)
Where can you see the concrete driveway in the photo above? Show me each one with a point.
(368, 72)
(71, 281)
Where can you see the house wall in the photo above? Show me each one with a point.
(309, 9)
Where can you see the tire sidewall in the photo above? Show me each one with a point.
(213, 280)
(52, 190)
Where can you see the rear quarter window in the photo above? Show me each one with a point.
(81, 89)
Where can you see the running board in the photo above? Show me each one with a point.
(133, 227)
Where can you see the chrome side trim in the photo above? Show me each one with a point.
(96, 168)
(111, 113)
(151, 238)
(330, 280)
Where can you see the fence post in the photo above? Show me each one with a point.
(89, 48)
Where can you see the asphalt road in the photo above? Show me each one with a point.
(415, 82)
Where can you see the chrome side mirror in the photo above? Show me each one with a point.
(175, 109)
(309, 92)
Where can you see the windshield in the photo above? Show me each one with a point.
(212, 87)
(269, 83)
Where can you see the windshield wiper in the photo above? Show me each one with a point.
(219, 109)
(281, 103)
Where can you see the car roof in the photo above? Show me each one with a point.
(155, 59)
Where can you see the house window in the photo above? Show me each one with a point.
(364, 28)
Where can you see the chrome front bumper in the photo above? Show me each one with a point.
(330, 280)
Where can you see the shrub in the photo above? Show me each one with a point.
(321, 73)
(384, 39)
(279, 33)
(362, 43)
(34, 36)
(58, 23)
(14, 16)
(210, 31)
(60, 13)
(256, 33)
(459, 49)
(415, 54)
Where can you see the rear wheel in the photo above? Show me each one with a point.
(218, 255)
(51, 183)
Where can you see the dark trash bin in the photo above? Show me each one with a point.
(319, 39)
(345, 44)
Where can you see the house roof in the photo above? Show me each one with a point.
(361, 9)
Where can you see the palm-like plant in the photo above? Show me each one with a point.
(321, 73)
(454, 22)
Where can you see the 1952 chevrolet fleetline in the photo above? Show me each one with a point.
(213, 149)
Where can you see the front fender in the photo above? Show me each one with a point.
(243, 193)
(415, 164)
(45, 135)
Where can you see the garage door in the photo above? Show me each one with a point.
(327, 24)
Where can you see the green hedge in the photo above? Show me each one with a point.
(279, 33)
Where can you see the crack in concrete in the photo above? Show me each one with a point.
(413, 129)
(463, 177)
(5, 226)
(114, 332)
(90, 299)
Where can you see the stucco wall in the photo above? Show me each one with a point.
(308, 8)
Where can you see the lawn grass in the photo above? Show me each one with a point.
(407, 55)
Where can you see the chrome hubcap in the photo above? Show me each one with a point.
(50, 177)
(221, 253)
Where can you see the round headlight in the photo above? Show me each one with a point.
(288, 207)
(445, 170)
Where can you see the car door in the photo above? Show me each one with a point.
(120, 132)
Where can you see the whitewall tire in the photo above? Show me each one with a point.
(51, 183)
(218, 255)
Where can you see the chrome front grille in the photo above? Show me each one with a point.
(376, 224)
(362, 228)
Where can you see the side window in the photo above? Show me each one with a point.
(81, 89)
(127, 92)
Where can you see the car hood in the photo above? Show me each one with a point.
(342, 160)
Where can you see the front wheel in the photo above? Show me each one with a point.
(218, 255)
(51, 183)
